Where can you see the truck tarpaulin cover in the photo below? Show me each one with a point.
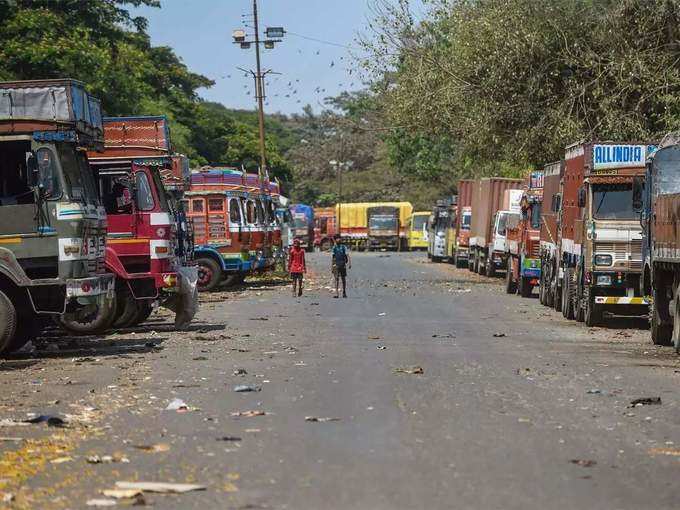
(63, 101)
(185, 301)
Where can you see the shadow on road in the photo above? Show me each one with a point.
(83, 347)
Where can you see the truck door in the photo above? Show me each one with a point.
(198, 220)
(236, 230)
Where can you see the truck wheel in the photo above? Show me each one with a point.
(209, 274)
(234, 279)
(593, 312)
(128, 308)
(92, 323)
(567, 298)
(525, 287)
(8, 322)
(145, 310)
(510, 283)
(489, 268)
(662, 332)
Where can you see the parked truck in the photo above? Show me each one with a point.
(352, 219)
(600, 232)
(325, 227)
(461, 245)
(303, 225)
(440, 227)
(657, 198)
(523, 240)
(487, 236)
(52, 224)
(548, 292)
(383, 228)
(147, 239)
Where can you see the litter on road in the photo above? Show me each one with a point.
(411, 370)
(177, 404)
(246, 388)
(160, 487)
(645, 401)
(248, 414)
(320, 420)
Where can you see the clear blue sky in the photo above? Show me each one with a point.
(200, 33)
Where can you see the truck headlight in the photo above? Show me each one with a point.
(602, 260)
(604, 279)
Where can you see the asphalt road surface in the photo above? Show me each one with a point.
(515, 407)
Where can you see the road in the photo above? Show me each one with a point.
(516, 408)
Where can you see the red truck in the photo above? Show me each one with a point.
(523, 240)
(599, 251)
(324, 227)
(487, 235)
(463, 222)
(548, 295)
(144, 225)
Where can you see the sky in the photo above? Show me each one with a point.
(200, 33)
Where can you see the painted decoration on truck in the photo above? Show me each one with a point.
(619, 156)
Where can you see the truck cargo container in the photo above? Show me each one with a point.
(548, 292)
(600, 233)
(417, 230)
(52, 223)
(325, 227)
(657, 198)
(488, 254)
(461, 245)
(523, 235)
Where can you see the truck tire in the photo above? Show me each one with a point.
(8, 322)
(209, 274)
(234, 279)
(145, 311)
(593, 312)
(510, 283)
(127, 308)
(662, 332)
(525, 287)
(95, 323)
(489, 268)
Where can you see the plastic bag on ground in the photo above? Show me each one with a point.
(185, 301)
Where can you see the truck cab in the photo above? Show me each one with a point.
(52, 225)
(383, 228)
(303, 225)
(417, 231)
(438, 225)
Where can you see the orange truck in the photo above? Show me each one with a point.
(325, 227)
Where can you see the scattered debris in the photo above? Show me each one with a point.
(381, 347)
(161, 487)
(673, 452)
(259, 318)
(101, 502)
(246, 388)
(177, 404)
(248, 414)
(374, 338)
(240, 371)
(7, 497)
(498, 335)
(583, 462)
(52, 421)
(229, 438)
(412, 370)
(153, 448)
(61, 460)
(320, 420)
(382, 314)
(594, 391)
(645, 401)
(122, 493)
(107, 459)
(200, 358)
(11, 439)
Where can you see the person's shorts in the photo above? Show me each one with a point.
(296, 276)
(339, 271)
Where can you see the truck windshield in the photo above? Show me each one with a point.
(465, 221)
(613, 202)
(666, 164)
(418, 222)
(300, 221)
(383, 223)
(536, 216)
(502, 222)
(77, 174)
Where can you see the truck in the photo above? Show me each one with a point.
(325, 227)
(600, 233)
(52, 223)
(352, 219)
(148, 248)
(548, 292)
(383, 228)
(487, 234)
(523, 240)
(439, 227)
(303, 225)
(461, 244)
(227, 214)
(656, 197)
(416, 228)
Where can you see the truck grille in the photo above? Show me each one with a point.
(621, 250)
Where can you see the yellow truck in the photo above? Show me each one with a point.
(417, 230)
(355, 227)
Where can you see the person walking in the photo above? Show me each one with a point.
(297, 266)
(340, 261)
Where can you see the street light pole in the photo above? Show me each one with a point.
(259, 91)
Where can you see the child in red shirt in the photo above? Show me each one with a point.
(297, 266)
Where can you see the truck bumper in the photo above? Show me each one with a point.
(613, 300)
(463, 253)
(92, 287)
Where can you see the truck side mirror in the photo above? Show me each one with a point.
(638, 187)
(582, 197)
